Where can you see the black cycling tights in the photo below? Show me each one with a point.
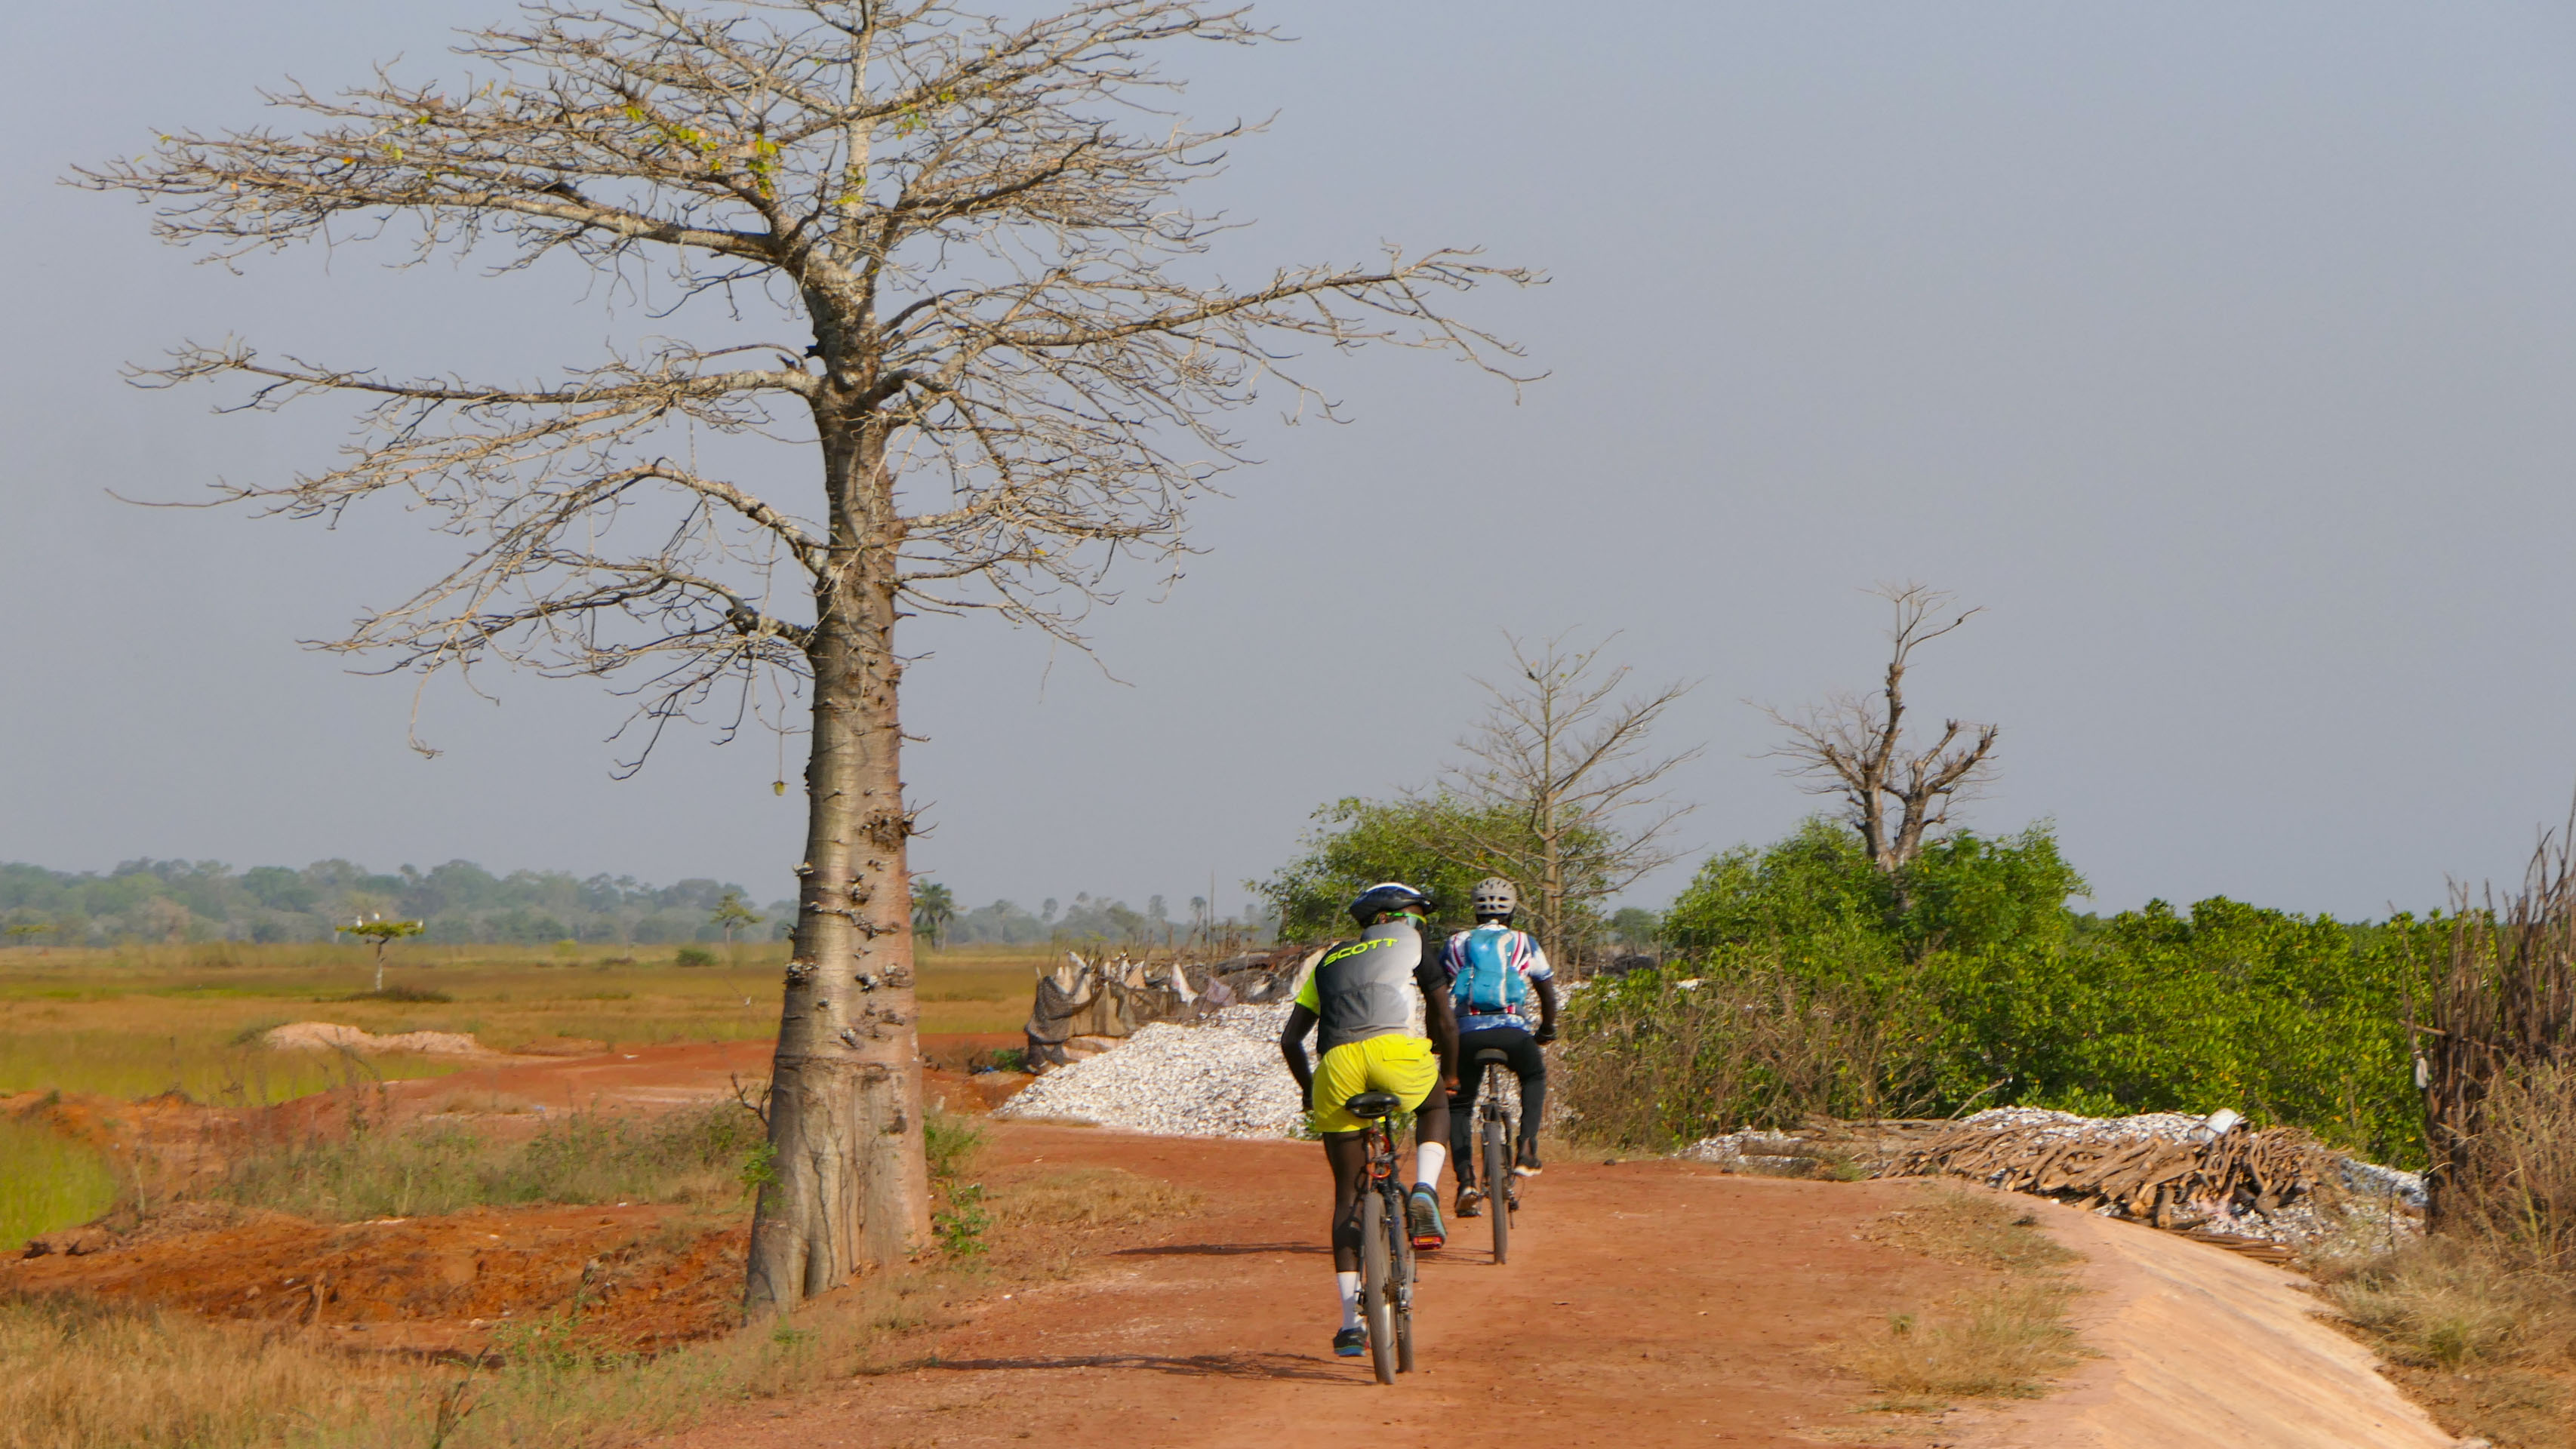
(1348, 1154)
(1527, 1063)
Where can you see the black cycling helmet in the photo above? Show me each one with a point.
(1393, 895)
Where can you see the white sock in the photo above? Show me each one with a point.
(1427, 1160)
(1349, 1285)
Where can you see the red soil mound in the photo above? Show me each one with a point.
(632, 1277)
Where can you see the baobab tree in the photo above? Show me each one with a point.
(1002, 356)
(1854, 745)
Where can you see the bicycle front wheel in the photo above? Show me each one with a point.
(1400, 1241)
(1498, 1178)
(1377, 1286)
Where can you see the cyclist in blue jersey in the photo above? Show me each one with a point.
(1495, 973)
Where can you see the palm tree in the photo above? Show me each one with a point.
(933, 907)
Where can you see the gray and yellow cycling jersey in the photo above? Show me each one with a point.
(1360, 988)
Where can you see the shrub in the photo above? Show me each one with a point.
(410, 995)
(1829, 987)
(949, 1142)
(1654, 1061)
(694, 956)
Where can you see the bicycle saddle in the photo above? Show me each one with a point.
(1493, 1054)
(1372, 1105)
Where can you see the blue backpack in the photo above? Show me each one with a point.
(1487, 984)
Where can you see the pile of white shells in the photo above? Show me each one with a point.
(1220, 1076)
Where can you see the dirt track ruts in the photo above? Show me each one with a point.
(1647, 1303)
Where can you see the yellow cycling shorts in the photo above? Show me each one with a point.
(1394, 1062)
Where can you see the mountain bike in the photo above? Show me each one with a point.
(1494, 1138)
(1386, 1243)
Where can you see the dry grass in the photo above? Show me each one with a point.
(1653, 1063)
(696, 1155)
(2002, 1339)
(83, 1374)
(2479, 1318)
(1091, 1197)
(1972, 1231)
(2489, 1347)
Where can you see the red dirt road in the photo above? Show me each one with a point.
(1645, 1304)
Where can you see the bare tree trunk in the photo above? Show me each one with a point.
(845, 1110)
(1854, 747)
(1552, 864)
(1566, 764)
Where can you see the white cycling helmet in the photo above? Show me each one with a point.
(1494, 896)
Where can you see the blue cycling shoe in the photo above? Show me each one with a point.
(1423, 1217)
(1350, 1343)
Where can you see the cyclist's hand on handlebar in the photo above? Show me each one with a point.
(1449, 1085)
(1543, 1035)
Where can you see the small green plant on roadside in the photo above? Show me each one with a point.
(544, 1341)
(759, 1169)
(949, 1141)
(693, 956)
(961, 1224)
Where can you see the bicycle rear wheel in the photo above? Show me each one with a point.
(1498, 1177)
(1377, 1285)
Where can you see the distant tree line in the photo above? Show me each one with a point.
(462, 903)
(1100, 920)
(459, 902)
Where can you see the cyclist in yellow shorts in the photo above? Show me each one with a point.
(1355, 1001)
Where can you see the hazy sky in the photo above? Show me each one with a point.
(2224, 353)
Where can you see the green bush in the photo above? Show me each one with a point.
(409, 995)
(1830, 987)
(694, 956)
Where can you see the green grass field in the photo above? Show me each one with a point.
(46, 1182)
(138, 1021)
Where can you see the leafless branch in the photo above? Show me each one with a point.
(1853, 745)
(1567, 759)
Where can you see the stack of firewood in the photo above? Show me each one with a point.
(2178, 1183)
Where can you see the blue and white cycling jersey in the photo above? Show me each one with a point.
(1486, 947)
